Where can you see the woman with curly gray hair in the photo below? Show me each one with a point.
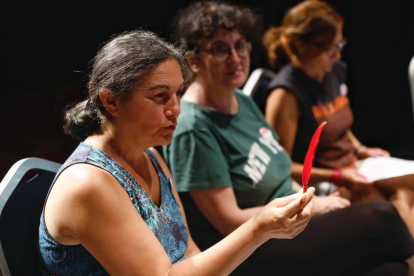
(113, 208)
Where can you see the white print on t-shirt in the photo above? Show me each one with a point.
(258, 159)
(268, 140)
(256, 163)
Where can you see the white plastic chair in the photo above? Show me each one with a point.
(21, 204)
(258, 80)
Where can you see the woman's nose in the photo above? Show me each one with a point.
(234, 56)
(173, 106)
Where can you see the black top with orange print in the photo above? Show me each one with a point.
(320, 102)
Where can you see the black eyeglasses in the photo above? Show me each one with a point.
(337, 48)
(222, 52)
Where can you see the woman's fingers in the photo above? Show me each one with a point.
(360, 179)
(343, 202)
(338, 202)
(282, 221)
(378, 152)
(352, 176)
(336, 193)
(283, 201)
(299, 221)
(305, 213)
(299, 203)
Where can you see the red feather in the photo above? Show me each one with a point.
(310, 155)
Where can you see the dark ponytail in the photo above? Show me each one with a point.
(81, 120)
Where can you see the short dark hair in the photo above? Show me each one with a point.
(202, 19)
(120, 64)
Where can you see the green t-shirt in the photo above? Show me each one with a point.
(211, 149)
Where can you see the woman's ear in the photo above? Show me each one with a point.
(301, 48)
(192, 62)
(109, 101)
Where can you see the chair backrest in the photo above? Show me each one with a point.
(21, 205)
(257, 80)
(411, 79)
(256, 86)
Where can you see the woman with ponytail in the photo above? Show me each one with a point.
(113, 208)
(309, 89)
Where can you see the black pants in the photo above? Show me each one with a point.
(364, 239)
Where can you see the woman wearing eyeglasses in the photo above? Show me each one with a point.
(227, 163)
(309, 89)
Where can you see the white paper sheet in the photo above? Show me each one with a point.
(377, 168)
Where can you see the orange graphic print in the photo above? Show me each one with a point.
(330, 108)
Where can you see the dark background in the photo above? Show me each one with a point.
(46, 49)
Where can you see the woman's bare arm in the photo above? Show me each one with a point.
(219, 206)
(282, 113)
(88, 205)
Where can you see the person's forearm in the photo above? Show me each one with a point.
(222, 258)
(354, 140)
(317, 174)
(238, 219)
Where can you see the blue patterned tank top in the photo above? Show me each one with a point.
(166, 221)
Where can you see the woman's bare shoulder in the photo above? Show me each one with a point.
(79, 193)
(282, 94)
(84, 177)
